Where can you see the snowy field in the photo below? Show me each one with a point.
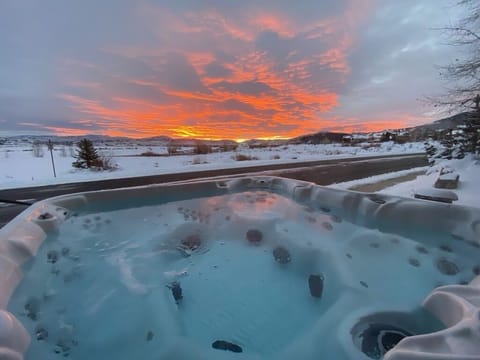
(20, 168)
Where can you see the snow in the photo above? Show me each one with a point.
(467, 191)
(19, 168)
(449, 176)
(468, 169)
(377, 178)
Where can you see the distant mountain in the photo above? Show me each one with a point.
(156, 138)
(419, 132)
(193, 142)
(319, 138)
(451, 122)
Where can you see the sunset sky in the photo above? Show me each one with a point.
(218, 68)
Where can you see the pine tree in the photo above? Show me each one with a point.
(87, 155)
(431, 150)
(472, 129)
(448, 145)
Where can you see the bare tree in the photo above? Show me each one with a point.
(462, 76)
(37, 149)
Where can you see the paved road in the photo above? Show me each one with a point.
(322, 172)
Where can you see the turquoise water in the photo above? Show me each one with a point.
(143, 283)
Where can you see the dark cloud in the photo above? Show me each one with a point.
(276, 46)
(306, 10)
(216, 70)
(253, 87)
(178, 74)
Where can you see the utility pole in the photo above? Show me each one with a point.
(50, 148)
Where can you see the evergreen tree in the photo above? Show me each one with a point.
(448, 146)
(388, 136)
(431, 150)
(87, 155)
(472, 129)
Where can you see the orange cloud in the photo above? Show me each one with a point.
(235, 89)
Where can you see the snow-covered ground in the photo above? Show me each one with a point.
(19, 168)
(468, 191)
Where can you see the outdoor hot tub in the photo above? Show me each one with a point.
(244, 268)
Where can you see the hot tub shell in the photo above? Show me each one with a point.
(457, 306)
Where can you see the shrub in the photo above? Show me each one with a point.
(243, 157)
(149, 153)
(201, 148)
(172, 149)
(37, 149)
(105, 162)
(228, 147)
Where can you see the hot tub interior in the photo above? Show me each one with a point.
(262, 270)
